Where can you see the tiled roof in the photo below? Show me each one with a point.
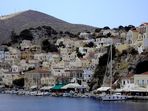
(144, 24)
(39, 70)
(134, 30)
(145, 73)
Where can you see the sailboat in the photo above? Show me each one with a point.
(112, 96)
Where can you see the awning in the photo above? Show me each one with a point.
(72, 85)
(33, 87)
(103, 88)
(57, 87)
(139, 89)
(46, 88)
(121, 90)
(135, 89)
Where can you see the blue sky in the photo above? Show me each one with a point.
(98, 13)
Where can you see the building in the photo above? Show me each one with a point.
(58, 69)
(38, 77)
(25, 44)
(27, 55)
(143, 29)
(75, 73)
(6, 67)
(2, 53)
(9, 77)
(127, 82)
(132, 37)
(87, 74)
(15, 68)
(141, 80)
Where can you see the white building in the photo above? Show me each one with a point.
(26, 44)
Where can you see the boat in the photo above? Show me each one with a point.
(67, 95)
(112, 96)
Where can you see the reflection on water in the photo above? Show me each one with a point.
(30, 103)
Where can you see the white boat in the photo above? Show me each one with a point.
(33, 93)
(67, 95)
(40, 93)
(112, 96)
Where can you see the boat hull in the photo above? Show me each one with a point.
(113, 98)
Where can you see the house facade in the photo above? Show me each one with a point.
(38, 77)
(141, 80)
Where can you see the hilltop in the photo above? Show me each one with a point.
(31, 19)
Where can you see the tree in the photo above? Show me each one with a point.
(26, 35)
(45, 45)
(61, 32)
(61, 44)
(103, 59)
(129, 27)
(120, 27)
(132, 51)
(90, 44)
(141, 67)
(14, 37)
(79, 55)
(98, 30)
(106, 28)
(109, 34)
(67, 32)
(48, 47)
(19, 82)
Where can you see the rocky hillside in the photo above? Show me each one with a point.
(123, 63)
(30, 19)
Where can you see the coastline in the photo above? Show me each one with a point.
(71, 95)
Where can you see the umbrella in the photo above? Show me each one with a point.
(46, 88)
(33, 87)
(103, 88)
(72, 85)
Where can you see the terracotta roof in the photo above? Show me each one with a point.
(39, 70)
(144, 24)
(145, 73)
(134, 30)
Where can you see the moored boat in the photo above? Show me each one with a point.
(114, 97)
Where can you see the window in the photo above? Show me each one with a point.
(127, 82)
(138, 82)
(123, 82)
(142, 82)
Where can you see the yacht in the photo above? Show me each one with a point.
(112, 96)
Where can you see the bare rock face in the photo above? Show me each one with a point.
(123, 63)
(31, 19)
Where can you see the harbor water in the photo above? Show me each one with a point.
(47, 103)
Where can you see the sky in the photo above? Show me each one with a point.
(97, 13)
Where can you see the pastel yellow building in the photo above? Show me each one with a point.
(141, 80)
(122, 47)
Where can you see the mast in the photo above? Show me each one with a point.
(111, 67)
